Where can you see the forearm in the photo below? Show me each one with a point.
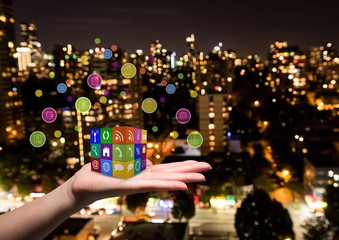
(38, 218)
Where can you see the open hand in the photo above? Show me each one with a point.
(88, 186)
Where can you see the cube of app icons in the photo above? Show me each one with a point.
(118, 151)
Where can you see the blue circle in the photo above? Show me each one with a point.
(108, 54)
(62, 88)
(170, 88)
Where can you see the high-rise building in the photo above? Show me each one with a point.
(11, 121)
(214, 119)
(29, 37)
(287, 67)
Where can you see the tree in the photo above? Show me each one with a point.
(318, 228)
(332, 210)
(260, 217)
(136, 203)
(183, 205)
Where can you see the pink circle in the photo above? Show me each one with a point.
(49, 115)
(183, 115)
(94, 80)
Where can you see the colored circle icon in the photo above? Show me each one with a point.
(108, 53)
(49, 115)
(37, 139)
(170, 89)
(62, 88)
(183, 115)
(38, 93)
(128, 70)
(94, 80)
(194, 139)
(83, 104)
(149, 105)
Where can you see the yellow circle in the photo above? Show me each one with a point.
(38, 93)
(149, 105)
(84, 59)
(103, 99)
(57, 134)
(174, 134)
(128, 70)
(193, 94)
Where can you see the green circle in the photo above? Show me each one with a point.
(180, 76)
(51, 74)
(128, 70)
(194, 139)
(97, 40)
(37, 139)
(123, 94)
(155, 128)
(76, 128)
(149, 105)
(83, 104)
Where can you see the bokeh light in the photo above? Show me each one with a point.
(97, 40)
(155, 128)
(38, 93)
(57, 133)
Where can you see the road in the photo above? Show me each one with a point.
(205, 222)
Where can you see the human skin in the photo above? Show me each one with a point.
(38, 218)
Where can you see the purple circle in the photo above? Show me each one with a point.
(115, 64)
(49, 115)
(162, 99)
(151, 59)
(69, 98)
(106, 93)
(94, 80)
(183, 115)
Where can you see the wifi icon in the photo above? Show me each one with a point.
(130, 136)
(118, 137)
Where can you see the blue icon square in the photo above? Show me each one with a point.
(106, 167)
(95, 136)
(137, 151)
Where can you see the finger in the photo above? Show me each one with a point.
(186, 166)
(183, 177)
(148, 163)
(173, 165)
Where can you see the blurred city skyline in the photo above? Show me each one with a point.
(246, 28)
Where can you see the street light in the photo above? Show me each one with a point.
(285, 175)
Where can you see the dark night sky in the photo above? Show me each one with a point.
(245, 26)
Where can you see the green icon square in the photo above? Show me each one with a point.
(95, 150)
(106, 135)
(123, 152)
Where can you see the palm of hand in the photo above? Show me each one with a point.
(88, 186)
